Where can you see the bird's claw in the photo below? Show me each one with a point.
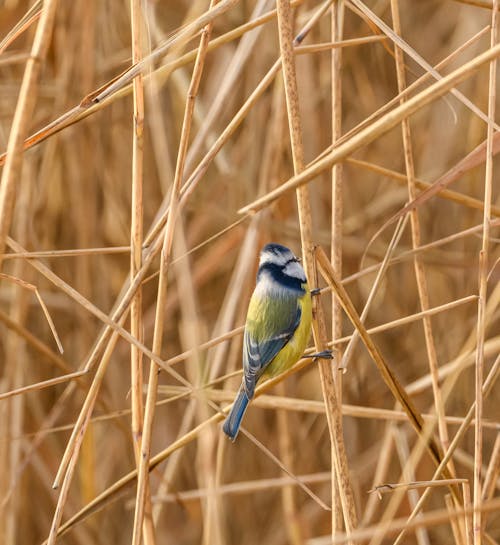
(324, 354)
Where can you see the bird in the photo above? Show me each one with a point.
(277, 328)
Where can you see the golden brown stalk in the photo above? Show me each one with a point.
(376, 129)
(136, 240)
(143, 472)
(22, 117)
(339, 463)
(337, 23)
(420, 274)
(483, 288)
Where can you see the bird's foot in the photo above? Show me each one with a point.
(315, 291)
(324, 354)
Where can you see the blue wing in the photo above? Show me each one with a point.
(266, 333)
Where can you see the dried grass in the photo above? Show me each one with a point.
(165, 141)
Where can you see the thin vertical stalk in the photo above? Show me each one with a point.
(420, 276)
(290, 513)
(467, 523)
(14, 372)
(136, 228)
(337, 20)
(136, 239)
(304, 208)
(22, 118)
(483, 286)
(490, 479)
(143, 469)
(77, 435)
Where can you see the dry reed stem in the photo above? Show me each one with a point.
(66, 468)
(390, 487)
(406, 93)
(104, 497)
(22, 117)
(420, 273)
(454, 522)
(111, 324)
(278, 402)
(483, 287)
(174, 209)
(488, 384)
(40, 385)
(376, 129)
(247, 44)
(471, 160)
(243, 487)
(442, 193)
(376, 329)
(35, 342)
(136, 226)
(22, 25)
(493, 470)
(68, 253)
(73, 171)
(85, 109)
(373, 291)
(334, 419)
(432, 518)
(178, 40)
(136, 241)
(398, 41)
(286, 43)
(387, 374)
(336, 24)
(468, 522)
(304, 405)
(43, 306)
(86, 106)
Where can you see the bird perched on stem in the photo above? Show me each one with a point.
(277, 328)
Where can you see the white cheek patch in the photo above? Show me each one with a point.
(295, 270)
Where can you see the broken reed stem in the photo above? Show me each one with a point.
(22, 117)
(386, 372)
(483, 288)
(339, 465)
(420, 274)
(390, 487)
(118, 486)
(174, 208)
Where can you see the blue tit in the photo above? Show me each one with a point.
(278, 325)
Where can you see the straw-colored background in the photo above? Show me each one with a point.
(75, 193)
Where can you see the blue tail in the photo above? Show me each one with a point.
(233, 421)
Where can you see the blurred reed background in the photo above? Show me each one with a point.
(104, 162)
